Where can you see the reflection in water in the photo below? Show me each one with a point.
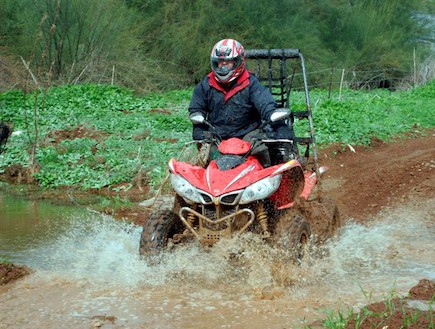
(92, 267)
(25, 224)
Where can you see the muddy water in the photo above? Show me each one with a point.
(90, 275)
(25, 224)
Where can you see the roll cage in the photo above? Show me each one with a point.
(283, 71)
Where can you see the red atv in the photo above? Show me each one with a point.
(236, 194)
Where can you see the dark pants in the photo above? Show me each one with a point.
(270, 153)
(259, 149)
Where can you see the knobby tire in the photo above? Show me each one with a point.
(158, 229)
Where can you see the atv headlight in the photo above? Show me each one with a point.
(261, 189)
(185, 189)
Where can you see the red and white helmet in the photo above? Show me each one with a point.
(229, 50)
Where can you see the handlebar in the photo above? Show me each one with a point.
(280, 140)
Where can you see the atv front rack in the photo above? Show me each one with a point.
(283, 70)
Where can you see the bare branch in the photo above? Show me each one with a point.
(26, 65)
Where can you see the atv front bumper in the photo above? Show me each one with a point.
(205, 234)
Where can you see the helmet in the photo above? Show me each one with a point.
(230, 50)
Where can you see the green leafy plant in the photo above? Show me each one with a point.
(334, 319)
(95, 136)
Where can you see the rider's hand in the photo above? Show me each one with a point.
(198, 133)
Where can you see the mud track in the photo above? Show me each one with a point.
(363, 181)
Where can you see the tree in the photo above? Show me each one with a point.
(165, 44)
(68, 37)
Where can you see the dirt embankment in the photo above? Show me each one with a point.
(11, 272)
(365, 180)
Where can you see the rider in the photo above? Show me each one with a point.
(234, 102)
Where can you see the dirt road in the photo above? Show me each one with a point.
(365, 181)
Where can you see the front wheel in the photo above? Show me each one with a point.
(158, 229)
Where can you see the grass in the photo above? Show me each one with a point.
(125, 138)
(5, 260)
(393, 307)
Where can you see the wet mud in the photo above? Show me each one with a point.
(94, 278)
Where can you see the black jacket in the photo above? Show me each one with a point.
(237, 111)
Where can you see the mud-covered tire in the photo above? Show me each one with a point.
(335, 219)
(324, 217)
(158, 229)
(292, 233)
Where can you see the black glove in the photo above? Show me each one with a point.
(198, 133)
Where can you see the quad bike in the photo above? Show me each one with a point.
(235, 194)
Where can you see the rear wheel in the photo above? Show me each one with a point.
(293, 233)
(324, 218)
(335, 222)
(158, 229)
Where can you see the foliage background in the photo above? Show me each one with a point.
(95, 136)
(115, 73)
(165, 44)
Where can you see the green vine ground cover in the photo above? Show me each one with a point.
(128, 136)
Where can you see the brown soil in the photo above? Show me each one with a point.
(80, 131)
(400, 312)
(10, 272)
(363, 181)
(384, 174)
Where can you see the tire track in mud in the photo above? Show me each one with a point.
(385, 174)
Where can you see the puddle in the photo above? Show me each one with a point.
(89, 274)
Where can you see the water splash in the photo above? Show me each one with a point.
(395, 249)
(399, 242)
(100, 249)
(90, 246)
(93, 269)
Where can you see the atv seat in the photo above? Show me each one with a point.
(281, 71)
